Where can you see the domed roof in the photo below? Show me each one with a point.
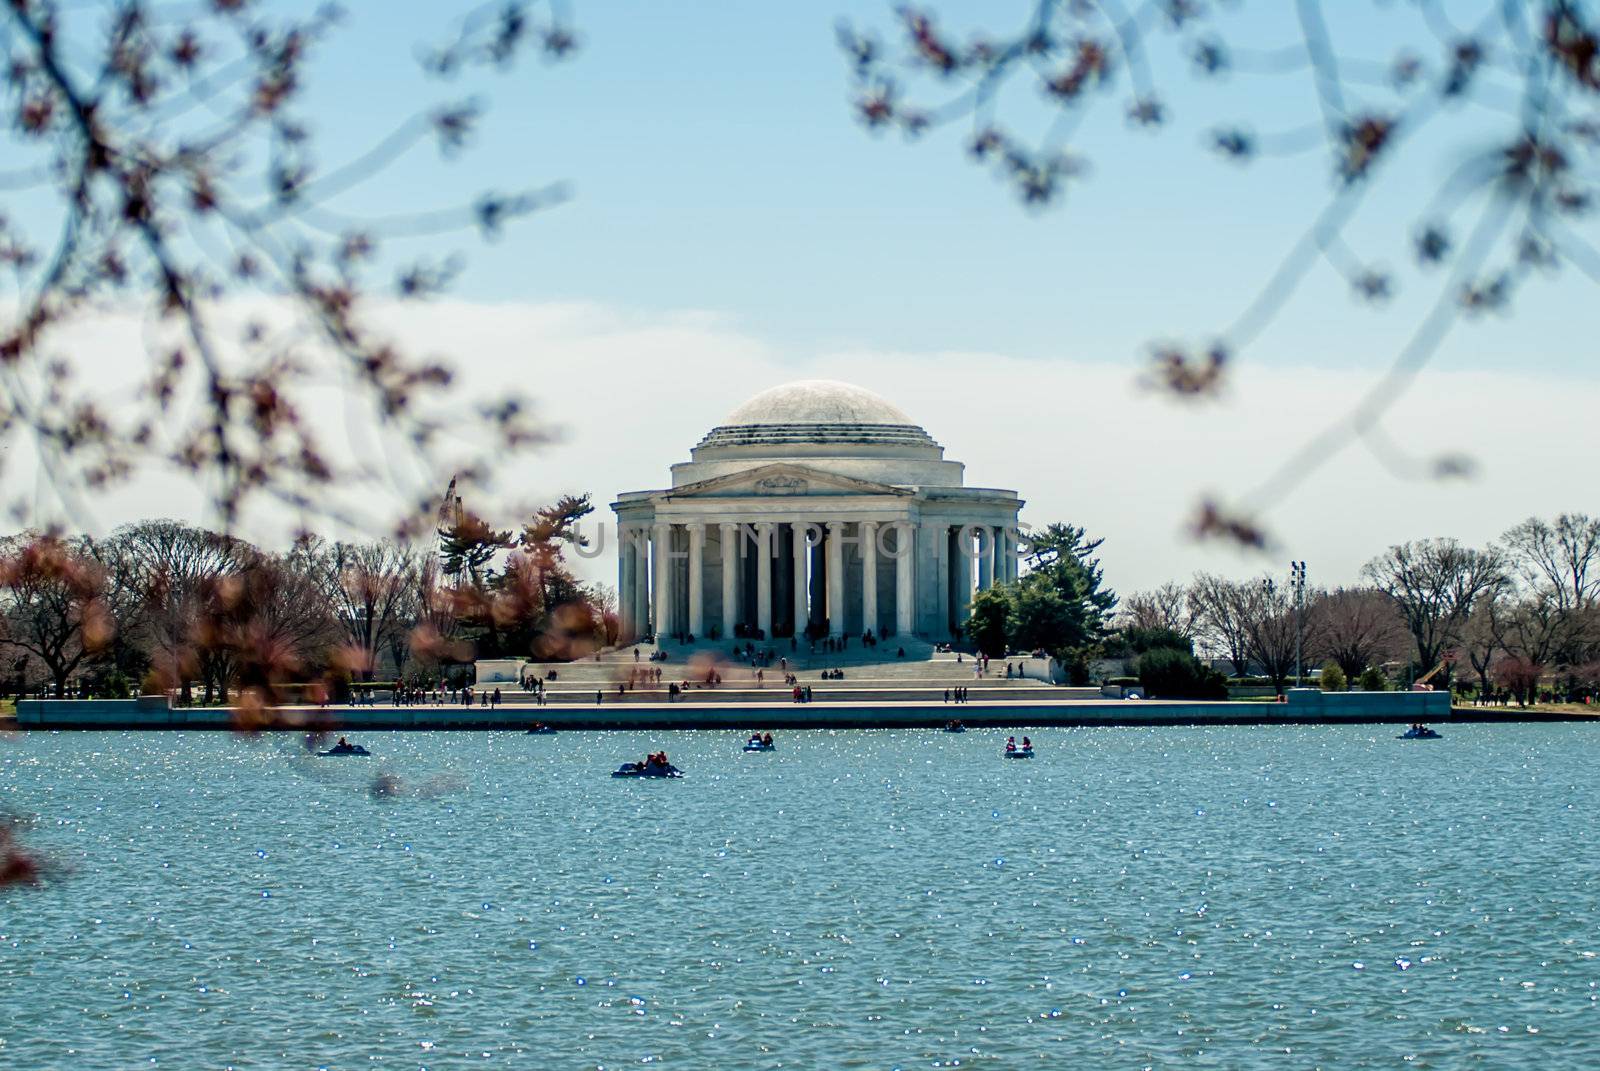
(817, 401)
(818, 412)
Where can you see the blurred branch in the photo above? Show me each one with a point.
(1520, 80)
(184, 178)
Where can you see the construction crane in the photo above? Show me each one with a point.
(448, 520)
(1422, 681)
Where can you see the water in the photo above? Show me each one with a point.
(1230, 898)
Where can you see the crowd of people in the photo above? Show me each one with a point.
(415, 696)
(647, 676)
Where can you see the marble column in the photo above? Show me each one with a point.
(869, 577)
(988, 538)
(661, 589)
(730, 577)
(934, 565)
(639, 549)
(835, 578)
(819, 577)
(801, 605)
(961, 597)
(697, 594)
(905, 546)
(627, 575)
(764, 578)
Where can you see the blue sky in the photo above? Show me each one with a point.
(715, 164)
(731, 226)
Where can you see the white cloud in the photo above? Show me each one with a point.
(1077, 438)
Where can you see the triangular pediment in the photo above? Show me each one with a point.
(783, 480)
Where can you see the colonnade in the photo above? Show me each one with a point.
(788, 576)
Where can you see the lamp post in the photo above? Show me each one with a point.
(1297, 582)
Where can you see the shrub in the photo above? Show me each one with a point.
(1169, 674)
(1333, 678)
(1373, 680)
(1139, 640)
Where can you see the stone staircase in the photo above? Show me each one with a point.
(871, 675)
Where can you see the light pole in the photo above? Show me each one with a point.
(1297, 582)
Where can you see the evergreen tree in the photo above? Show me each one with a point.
(1058, 606)
(468, 548)
(989, 625)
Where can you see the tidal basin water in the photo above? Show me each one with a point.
(1232, 898)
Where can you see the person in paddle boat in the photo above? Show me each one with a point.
(766, 741)
(342, 745)
(1011, 744)
(1027, 745)
(754, 741)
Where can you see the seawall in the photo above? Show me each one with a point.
(1304, 707)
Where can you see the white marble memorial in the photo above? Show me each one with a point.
(815, 505)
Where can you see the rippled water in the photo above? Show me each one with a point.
(1229, 897)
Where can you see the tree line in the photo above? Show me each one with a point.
(1517, 617)
(162, 606)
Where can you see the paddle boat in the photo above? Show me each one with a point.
(1418, 732)
(646, 769)
(344, 747)
(1015, 752)
(954, 727)
(541, 729)
(759, 743)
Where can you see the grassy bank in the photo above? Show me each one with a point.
(1532, 712)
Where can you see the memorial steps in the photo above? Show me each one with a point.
(923, 676)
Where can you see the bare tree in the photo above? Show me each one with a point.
(370, 588)
(1520, 676)
(1556, 614)
(1164, 607)
(408, 617)
(1435, 583)
(263, 627)
(164, 568)
(296, 621)
(1356, 628)
(52, 603)
(1562, 559)
(1217, 609)
(1530, 629)
(435, 638)
(1268, 615)
(1480, 644)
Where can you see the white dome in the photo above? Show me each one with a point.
(818, 413)
(817, 401)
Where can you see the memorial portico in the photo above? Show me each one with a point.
(819, 508)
